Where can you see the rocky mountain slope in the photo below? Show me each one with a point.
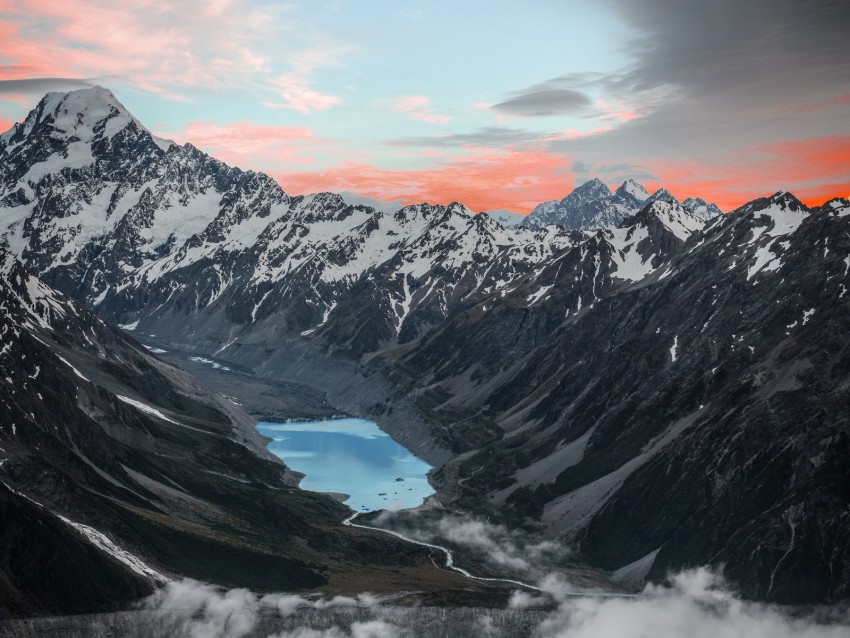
(697, 416)
(656, 383)
(119, 472)
(150, 234)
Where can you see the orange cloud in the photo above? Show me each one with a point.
(514, 180)
(814, 169)
(839, 100)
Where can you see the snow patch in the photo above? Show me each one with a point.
(154, 350)
(807, 315)
(144, 407)
(77, 372)
(534, 297)
(210, 362)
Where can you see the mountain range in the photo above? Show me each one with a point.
(593, 205)
(655, 382)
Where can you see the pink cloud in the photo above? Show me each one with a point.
(164, 46)
(5, 124)
(514, 180)
(619, 111)
(255, 146)
(297, 95)
(418, 107)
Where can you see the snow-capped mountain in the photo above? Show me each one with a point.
(592, 205)
(120, 472)
(719, 367)
(152, 232)
(570, 365)
(702, 209)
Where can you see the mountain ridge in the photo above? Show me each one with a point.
(592, 205)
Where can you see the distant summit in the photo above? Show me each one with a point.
(701, 208)
(632, 188)
(593, 205)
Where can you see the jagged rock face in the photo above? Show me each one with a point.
(701, 209)
(118, 471)
(89, 195)
(171, 241)
(698, 416)
(592, 205)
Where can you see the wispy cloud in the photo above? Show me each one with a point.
(837, 101)
(481, 540)
(192, 609)
(172, 47)
(295, 93)
(545, 100)
(294, 89)
(41, 85)
(488, 136)
(251, 145)
(696, 603)
(417, 107)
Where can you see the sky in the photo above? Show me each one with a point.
(497, 104)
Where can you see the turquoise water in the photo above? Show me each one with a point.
(353, 457)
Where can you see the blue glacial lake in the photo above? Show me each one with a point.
(354, 457)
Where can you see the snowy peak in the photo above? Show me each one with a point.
(77, 113)
(838, 205)
(781, 201)
(771, 217)
(456, 208)
(85, 115)
(647, 240)
(591, 189)
(591, 205)
(698, 207)
(631, 188)
(673, 216)
(662, 195)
